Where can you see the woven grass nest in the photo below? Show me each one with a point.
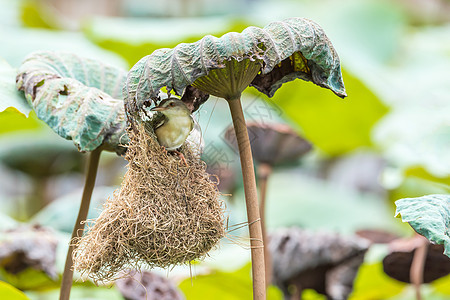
(164, 214)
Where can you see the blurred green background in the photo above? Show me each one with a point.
(389, 139)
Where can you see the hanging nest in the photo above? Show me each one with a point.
(164, 214)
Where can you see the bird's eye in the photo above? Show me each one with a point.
(172, 104)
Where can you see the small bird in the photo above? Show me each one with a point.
(174, 125)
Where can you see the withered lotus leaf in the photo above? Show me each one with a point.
(26, 247)
(397, 264)
(323, 261)
(272, 143)
(79, 98)
(284, 50)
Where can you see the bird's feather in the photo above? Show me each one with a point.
(157, 120)
(193, 123)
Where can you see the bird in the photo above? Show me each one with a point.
(173, 125)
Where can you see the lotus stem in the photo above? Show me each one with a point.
(418, 265)
(251, 199)
(39, 196)
(67, 278)
(264, 171)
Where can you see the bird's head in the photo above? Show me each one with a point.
(172, 107)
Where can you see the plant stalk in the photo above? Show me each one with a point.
(264, 171)
(67, 278)
(251, 199)
(39, 198)
(418, 266)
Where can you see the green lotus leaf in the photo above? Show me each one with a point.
(79, 98)
(293, 48)
(9, 96)
(429, 216)
(7, 291)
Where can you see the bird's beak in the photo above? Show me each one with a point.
(157, 108)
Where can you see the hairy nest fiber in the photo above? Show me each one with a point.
(165, 213)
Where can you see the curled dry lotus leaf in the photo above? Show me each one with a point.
(323, 261)
(377, 236)
(224, 174)
(286, 50)
(78, 98)
(272, 144)
(28, 247)
(397, 264)
(148, 285)
(429, 216)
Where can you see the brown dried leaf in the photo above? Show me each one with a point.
(147, 286)
(28, 247)
(272, 144)
(397, 264)
(323, 261)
